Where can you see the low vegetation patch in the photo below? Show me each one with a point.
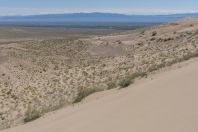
(84, 92)
(190, 55)
(31, 115)
(111, 85)
(196, 32)
(156, 67)
(125, 82)
(130, 79)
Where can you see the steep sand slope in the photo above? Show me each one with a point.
(167, 103)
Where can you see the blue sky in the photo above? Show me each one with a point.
(28, 7)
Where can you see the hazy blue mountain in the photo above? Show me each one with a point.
(96, 17)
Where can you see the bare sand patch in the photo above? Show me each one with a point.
(106, 51)
(3, 59)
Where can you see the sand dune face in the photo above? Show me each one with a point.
(167, 103)
(45, 75)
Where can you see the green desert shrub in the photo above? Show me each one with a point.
(196, 32)
(154, 33)
(142, 74)
(130, 79)
(126, 82)
(111, 85)
(195, 54)
(155, 67)
(84, 92)
(31, 115)
(190, 55)
(187, 57)
(137, 74)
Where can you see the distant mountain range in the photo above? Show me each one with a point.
(96, 17)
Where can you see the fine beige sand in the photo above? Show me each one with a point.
(165, 102)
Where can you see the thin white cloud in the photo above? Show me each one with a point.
(131, 11)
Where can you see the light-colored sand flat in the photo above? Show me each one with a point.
(167, 103)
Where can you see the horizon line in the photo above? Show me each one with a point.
(62, 13)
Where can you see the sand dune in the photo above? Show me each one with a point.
(41, 75)
(165, 103)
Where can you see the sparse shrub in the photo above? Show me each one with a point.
(111, 85)
(44, 70)
(187, 57)
(142, 74)
(31, 115)
(190, 55)
(125, 82)
(189, 33)
(9, 92)
(140, 44)
(160, 40)
(85, 73)
(130, 79)
(170, 63)
(152, 68)
(119, 41)
(156, 67)
(152, 39)
(133, 76)
(162, 65)
(154, 33)
(196, 32)
(83, 93)
(56, 67)
(168, 39)
(195, 54)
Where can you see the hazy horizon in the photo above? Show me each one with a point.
(100, 13)
(127, 7)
